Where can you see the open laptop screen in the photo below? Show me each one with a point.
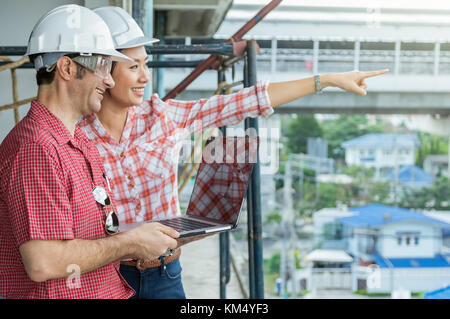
(222, 178)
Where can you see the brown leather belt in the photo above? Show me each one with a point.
(151, 263)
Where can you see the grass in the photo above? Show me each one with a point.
(270, 282)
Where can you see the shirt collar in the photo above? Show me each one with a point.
(54, 125)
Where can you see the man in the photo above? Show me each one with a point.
(57, 213)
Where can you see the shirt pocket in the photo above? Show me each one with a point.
(154, 160)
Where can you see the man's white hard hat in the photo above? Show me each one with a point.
(70, 29)
(125, 31)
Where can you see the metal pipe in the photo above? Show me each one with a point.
(151, 64)
(210, 61)
(224, 238)
(257, 18)
(148, 24)
(174, 64)
(213, 48)
(27, 65)
(138, 12)
(226, 48)
(251, 266)
(255, 234)
(160, 25)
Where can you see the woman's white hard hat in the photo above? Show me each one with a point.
(125, 32)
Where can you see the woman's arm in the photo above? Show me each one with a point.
(284, 92)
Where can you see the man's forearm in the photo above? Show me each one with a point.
(49, 259)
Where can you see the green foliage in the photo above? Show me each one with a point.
(273, 218)
(361, 191)
(299, 130)
(435, 197)
(273, 264)
(430, 144)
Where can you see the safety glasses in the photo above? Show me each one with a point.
(111, 222)
(100, 65)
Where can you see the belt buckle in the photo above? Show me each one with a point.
(138, 264)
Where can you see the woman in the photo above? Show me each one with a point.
(139, 140)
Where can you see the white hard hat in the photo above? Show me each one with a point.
(71, 29)
(125, 31)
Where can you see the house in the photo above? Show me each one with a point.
(410, 176)
(403, 247)
(328, 234)
(442, 293)
(391, 248)
(383, 152)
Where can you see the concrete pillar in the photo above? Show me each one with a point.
(437, 52)
(357, 53)
(273, 61)
(316, 57)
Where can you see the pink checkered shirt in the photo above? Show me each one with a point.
(143, 166)
(46, 194)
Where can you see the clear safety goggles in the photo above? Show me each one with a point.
(100, 65)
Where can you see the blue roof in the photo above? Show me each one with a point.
(436, 261)
(412, 175)
(374, 215)
(383, 140)
(443, 293)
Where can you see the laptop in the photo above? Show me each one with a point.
(219, 190)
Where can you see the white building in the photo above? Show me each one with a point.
(383, 152)
(328, 234)
(392, 249)
(396, 249)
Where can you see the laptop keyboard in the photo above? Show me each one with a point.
(183, 224)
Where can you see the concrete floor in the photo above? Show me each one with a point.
(200, 264)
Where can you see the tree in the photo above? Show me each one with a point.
(435, 197)
(430, 144)
(299, 130)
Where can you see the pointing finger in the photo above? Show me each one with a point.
(369, 74)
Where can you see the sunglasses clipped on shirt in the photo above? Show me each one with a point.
(111, 221)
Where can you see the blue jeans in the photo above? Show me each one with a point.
(163, 282)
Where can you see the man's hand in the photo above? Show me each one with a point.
(350, 81)
(151, 240)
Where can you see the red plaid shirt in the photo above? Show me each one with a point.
(46, 193)
(143, 166)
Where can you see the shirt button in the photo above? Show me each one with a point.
(130, 177)
(122, 155)
(138, 207)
